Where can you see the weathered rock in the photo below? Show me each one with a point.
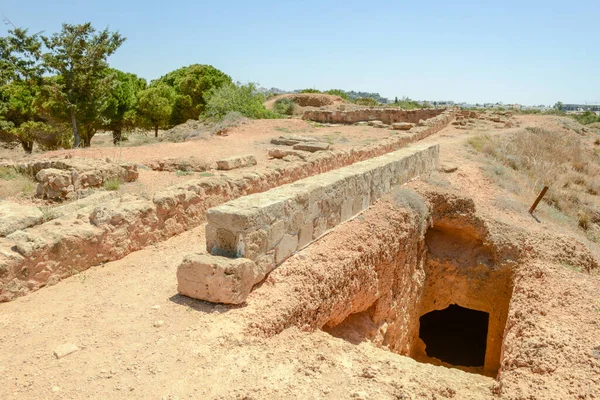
(217, 279)
(361, 123)
(281, 153)
(312, 146)
(448, 168)
(402, 126)
(291, 140)
(227, 164)
(375, 123)
(64, 350)
(54, 183)
(15, 216)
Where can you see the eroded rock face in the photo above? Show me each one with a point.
(15, 216)
(217, 279)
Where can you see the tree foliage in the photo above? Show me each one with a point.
(78, 56)
(240, 98)
(191, 84)
(122, 101)
(156, 105)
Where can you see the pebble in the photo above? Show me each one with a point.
(159, 323)
(55, 389)
(64, 350)
(156, 307)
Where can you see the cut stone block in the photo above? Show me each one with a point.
(227, 164)
(402, 126)
(312, 146)
(14, 217)
(281, 153)
(217, 279)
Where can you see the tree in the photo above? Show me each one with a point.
(122, 102)
(155, 105)
(559, 106)
(396, 100)
(78, 56)
(191, 83)
(20, 57)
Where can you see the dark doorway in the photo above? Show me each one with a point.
(455, 335)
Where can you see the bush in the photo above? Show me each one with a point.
(243, 99)
(587, 118)
(112, 184)
(310, 91)
(284, 106)
(338, 92)
(366, 101)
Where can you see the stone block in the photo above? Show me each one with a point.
(14, 217)
(217, 279)
(312, 146)
(230, 163)
(402, 126)
(286, 248)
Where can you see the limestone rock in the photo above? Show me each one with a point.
(291, 140)
(54, 183)
(402, 126)
(312, 146)
(375, 123)
(217, 279)
(227, 164)
(448, 168)
(64, 350)
(15, 216)
(281, 153)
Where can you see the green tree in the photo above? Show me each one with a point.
(239, 98)
(122, 102)
(78, 56)
(155, 105)
(559, 106)
(20, 57)
(338, 92)
(191, 83)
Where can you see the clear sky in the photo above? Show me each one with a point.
(527, 51)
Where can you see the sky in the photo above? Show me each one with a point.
(526, 52)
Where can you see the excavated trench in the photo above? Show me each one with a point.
(453, 304)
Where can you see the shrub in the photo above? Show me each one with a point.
(284, 106)
(310, 91)
(112, 184)
(243, 99)
(366, 101)
(338, 92)
(587, 118)
(230, 120)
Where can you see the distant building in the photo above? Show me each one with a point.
(581, 107)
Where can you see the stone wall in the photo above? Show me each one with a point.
(269, 227)
(34, 257)
(386, 115)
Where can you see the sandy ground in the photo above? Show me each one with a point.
(138, 339)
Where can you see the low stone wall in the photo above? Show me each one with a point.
(386, 115)
(44, 254)
(61, 179)
(269, 227)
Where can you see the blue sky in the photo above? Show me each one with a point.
(528, 52)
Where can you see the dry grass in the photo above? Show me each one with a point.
(525, 161)
(13, 184)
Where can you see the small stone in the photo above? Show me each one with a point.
(55, 389)
(156, 307)
(64, 350)
(448, 168)
(159, 323)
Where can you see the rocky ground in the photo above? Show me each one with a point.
(135, 337)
